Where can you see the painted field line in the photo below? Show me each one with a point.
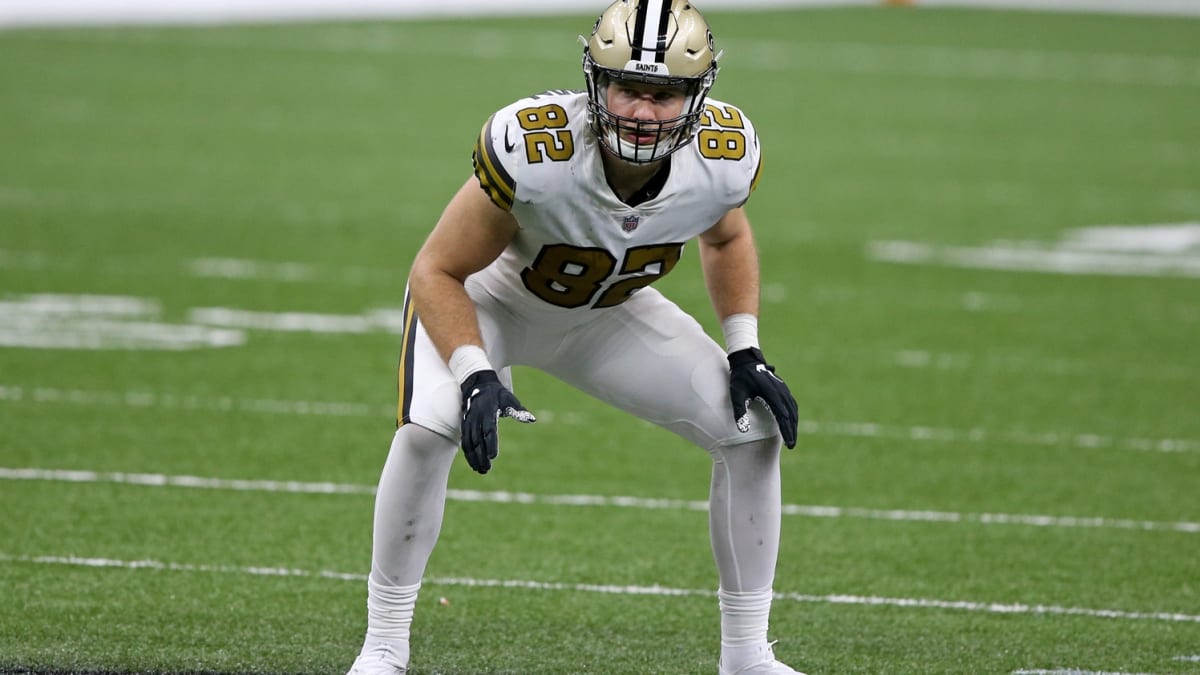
(162, 480)
(502, 497)
(1072, 671)
(1022, 257)
(146, 399)
(655, 590)
(961, 361)
(971, 63)
(874, 430)
(287, 272)
(856, 58)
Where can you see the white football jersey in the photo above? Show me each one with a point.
(563, 296)
(579, 246)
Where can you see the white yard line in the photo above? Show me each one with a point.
(62, 321)
(388, 320)
(502, 497)
(659, 591)
(1033, 257)
(287, 271)
(1014, 361)
(853, 58)
(162, 480)
(972, 63)
(834, 428)
(1072, 671)
(146, 399)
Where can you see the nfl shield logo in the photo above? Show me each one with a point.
(631, 223)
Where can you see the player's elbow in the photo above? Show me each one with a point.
(428, 273)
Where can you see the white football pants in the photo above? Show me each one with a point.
(645, 356)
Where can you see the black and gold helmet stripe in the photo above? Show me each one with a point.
(499, 185)
(404, 372)
(650, 29)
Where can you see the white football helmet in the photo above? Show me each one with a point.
(652, 41)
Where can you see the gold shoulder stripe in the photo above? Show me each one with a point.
(494, 180)
(757, 173)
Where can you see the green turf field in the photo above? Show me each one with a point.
(204, 239)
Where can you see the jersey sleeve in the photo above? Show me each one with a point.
(758, 164)
(488, 160)
(751, 166)
(757, 170)
(729, 147)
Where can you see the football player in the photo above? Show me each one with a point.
(545, 258)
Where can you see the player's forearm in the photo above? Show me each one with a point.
(470, 234)
(445, 310)
(731, 275)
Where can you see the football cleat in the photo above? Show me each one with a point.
(381, 658)
(765, 664)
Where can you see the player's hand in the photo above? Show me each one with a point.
(751, 378)
(484, 402)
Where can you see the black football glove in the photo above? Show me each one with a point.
(751, 378)
(484, 402)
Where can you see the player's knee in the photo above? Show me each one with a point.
(759, 451)
(423, 441)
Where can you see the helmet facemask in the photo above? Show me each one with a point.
(668, 135)
(663, 43)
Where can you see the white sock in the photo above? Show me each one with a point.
(390, 611)
(744, 618)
